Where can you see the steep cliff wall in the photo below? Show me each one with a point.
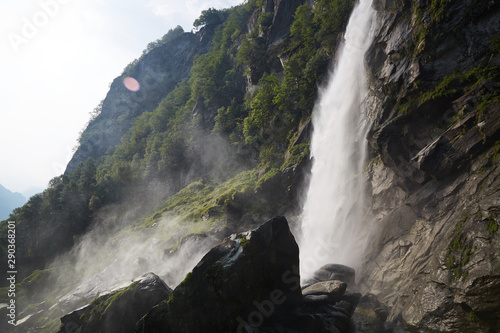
(435, 79)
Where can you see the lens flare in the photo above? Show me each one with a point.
(131, 84)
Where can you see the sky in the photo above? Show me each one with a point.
(57, 59)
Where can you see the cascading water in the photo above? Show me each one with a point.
(334, 226)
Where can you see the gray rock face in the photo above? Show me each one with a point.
(120, 310)
(435, 182)
(284, 10)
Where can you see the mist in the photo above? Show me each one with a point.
(131, 238)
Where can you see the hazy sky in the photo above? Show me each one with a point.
(57, 58)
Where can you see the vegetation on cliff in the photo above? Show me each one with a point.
(239, 110)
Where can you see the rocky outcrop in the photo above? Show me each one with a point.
(251, 279)
(120, 310)
(283, 12)
(435, 176)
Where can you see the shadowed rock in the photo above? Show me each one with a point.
(118, 311)
(330, 272)
(250, 280)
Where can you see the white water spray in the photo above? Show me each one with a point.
(335, 228)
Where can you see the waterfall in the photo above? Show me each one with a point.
(335, 228)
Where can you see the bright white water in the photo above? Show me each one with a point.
(335, 228)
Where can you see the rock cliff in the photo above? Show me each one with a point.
(434, 73)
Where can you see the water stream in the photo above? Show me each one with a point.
(335, 227)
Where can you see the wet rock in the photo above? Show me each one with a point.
(333, 272)
(312, 299)
(319, 313)
(432, 258)
(334, 290)
(118, 311)
(370, 315)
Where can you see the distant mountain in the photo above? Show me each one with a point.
(9, 201)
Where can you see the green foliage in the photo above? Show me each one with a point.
(252, 54)
(495, 157)
(189, 203)
(244, 241)
(296, 155)
(270, 157)
(210, 16)
(492, 225)
(313, 39)
(426, 31)
(270, 174)
(495, 42)
(261, 109)
(240, 184)
(302, 29)
(438, 9)
(458, 253)
(186, 280)
(199, 202)
(265, 20)
(228, 118)
(473, 317)
(451, 87)
(213, 75)
(331, 18)
(170, 35)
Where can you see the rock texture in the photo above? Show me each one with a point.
(334, 289)
(118, 311)
(434, 176)
(330, 272)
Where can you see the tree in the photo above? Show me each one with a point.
(209, 16)
(261, 108)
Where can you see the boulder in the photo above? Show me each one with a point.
(319, 313)
(249, 281)
(334, 290)
(370, 315)
(119, 310)
(330, 272)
